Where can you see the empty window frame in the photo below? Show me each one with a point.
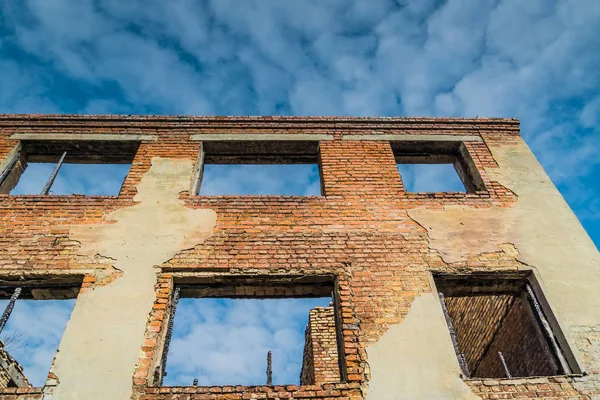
(443, 166)
(34, 317)
(251, 331)
(259, 168)
(500, 329)
(93, 167)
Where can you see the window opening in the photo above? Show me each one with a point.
(436, 167)
(31, 327)
(67, 168)
(499, 329)
(430, 178)
(242, 333)
(260, 168)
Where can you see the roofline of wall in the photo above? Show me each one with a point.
(346, 122)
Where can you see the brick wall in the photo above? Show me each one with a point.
(11, 372)
(486, 325)
(517, 336)
(359, 231)
(320, 362)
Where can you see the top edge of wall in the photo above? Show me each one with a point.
(19, 118)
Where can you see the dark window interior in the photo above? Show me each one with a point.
(500, 329)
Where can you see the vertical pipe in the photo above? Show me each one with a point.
(48, 184)
(269, 369)
(9, 308)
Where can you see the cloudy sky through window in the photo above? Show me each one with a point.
(33, 332)
(537, 60)
(225, 341)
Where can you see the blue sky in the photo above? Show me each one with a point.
(225, 341)
(538, 60)
(89, 179)
(35, 328)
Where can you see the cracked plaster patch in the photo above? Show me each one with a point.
(107, 324)
(545, 232)
(415, 358)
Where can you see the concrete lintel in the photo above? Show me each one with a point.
(260, 136)
(83, 136)
(415, 138)
(8, 159)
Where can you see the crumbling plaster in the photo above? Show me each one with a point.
(415, 359)
(101, 344)
(549, 239)
(542, 227)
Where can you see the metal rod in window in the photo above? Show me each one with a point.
(48, 185)
(169, 334)
(461, 356)
(269, 369)
(549, 334)
(9, 308)
(506, 371)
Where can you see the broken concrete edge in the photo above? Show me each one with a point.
(9, 158)
(70, 275)
(11, 167)
(260, 136)
(83, 136)
(196, 176)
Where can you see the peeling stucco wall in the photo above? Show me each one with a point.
(542, 227)
(549, 239)
(415, 359)
(101, 344)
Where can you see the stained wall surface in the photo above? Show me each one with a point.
(380, 243)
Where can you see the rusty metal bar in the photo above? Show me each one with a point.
(506, 371)
(9, 308)
(548, 330)
(459, 354)
(48, 184)
(174, 303)
(269, 369)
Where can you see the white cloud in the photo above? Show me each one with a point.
(537, 60)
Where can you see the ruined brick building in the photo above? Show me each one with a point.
(490, 293)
